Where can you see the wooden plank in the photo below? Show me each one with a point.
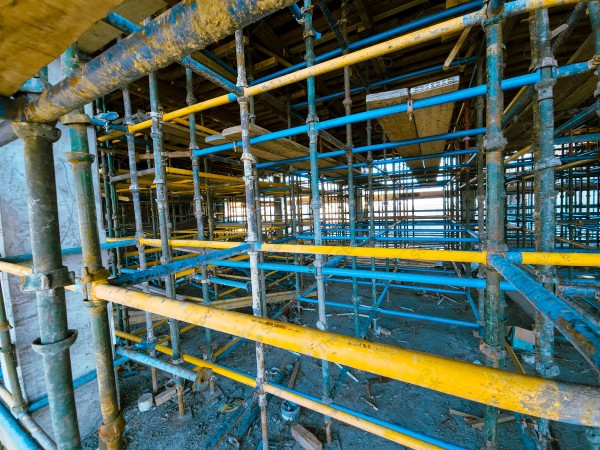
(34, 33)
(436, 119)
(456, 48)
(397, 127)
(102, 33)
(305, 438)
(266, 64)
(425, 122)
(164, 396)
(227, 49)
(294, 375)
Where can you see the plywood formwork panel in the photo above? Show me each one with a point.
(397, 127)
(101, 33)
(34, 33)
(423, 122)
(433, 120)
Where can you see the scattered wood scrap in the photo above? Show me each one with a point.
(164, 396)
(305, 438)
(479, 422)
(294, 375)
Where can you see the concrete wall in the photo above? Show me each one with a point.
(22, 311)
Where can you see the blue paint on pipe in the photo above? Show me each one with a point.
(42, 402)
(297, 12)
(176, 266)
(377, 421)
(72, 250)
(245, 285)
(511, 83)
(14, 432)
(578, 331)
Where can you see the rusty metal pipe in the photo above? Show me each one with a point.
(48, 280)
(187, 27)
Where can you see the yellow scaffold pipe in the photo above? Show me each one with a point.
(366, 425)
(534, 258)
(534, 396)
(15, 269)
(189, 243)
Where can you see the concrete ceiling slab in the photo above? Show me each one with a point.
(35, 32)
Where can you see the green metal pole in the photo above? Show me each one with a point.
(163, 217)
(48, 279)
(545, 195)
(479, 121)
(351, 187)
(249, 161)
(315, 203)
(494, 144)
(139, 225)
(198, 212)
(316, 200)
(113, 422)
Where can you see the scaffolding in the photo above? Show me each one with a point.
(476, 219)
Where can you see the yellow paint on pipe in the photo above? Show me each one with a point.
(212, 176)
(355, 421)
(227, 346)
(520, 153)
(136, 253)
(189, 243)
(401, 42)
(448, 27)
(167, 338)
(561, 259)
(379, 252)
(193, 360)
(202, 106)
(119, 239)
(15, 269)
(534, 396)
(201, 128)
(154, 325)
(110, 136)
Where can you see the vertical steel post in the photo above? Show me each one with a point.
(198, 212)
(249, 162)
(545, 196)
(309, 39)
(479, 121)
(350, 157)
(11, 381)
(163, 217)
(209, 203)
(139, 225)
(48, 279)
(593, 434)
(494, 144)
(371, 203)
(113, 422)
(295, 226)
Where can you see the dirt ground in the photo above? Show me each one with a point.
(415, 408)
